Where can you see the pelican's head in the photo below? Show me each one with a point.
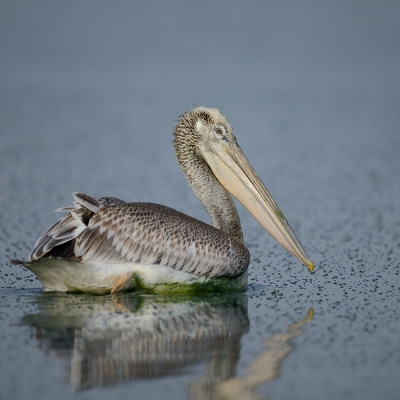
(210, 138)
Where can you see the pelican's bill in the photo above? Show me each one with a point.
(235, 173)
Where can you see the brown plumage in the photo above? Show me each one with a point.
(145, 233)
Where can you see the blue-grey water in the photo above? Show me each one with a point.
(89, 92)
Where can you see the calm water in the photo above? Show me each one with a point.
(88, 97)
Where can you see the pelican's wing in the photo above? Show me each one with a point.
(109, 230)
(151, 234)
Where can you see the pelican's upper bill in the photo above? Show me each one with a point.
(105, 245)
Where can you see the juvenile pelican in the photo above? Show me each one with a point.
(106, 245)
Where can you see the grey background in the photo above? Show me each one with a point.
(88, 96)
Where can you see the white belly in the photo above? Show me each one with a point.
(99, 278)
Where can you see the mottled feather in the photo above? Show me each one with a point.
(113, 231)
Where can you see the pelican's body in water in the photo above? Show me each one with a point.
(104, 245)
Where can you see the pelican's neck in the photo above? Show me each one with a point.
(216, 200)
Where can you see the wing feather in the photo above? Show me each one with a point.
(148, 233)
(113, 231)
(67, 228)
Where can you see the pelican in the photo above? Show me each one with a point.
(105, 245)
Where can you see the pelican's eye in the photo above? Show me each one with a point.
(220, 131)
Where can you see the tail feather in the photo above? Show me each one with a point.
(15, 261)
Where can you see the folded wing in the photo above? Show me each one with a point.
(109, 230)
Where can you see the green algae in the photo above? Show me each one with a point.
(210, 285)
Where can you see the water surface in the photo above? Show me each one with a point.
(88, 97)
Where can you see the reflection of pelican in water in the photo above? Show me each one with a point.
(108, 340)
(107, 245)
(112, 339)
